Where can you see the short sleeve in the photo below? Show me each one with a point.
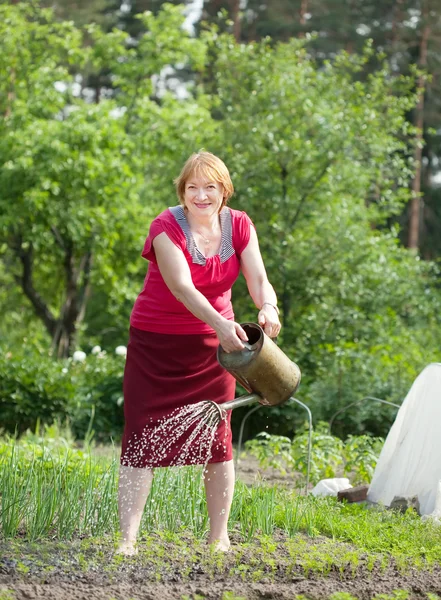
(164, 223)
(241, 230)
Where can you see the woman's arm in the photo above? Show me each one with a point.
(177, 276)
(261, 291)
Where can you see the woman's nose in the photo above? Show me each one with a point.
(202, 194)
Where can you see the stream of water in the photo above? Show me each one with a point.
(199, 422)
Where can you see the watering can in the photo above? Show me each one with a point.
(261, 368)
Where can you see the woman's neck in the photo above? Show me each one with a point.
(210, 223)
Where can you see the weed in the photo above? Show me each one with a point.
(22, 568)
(231, 596)
(396, 595)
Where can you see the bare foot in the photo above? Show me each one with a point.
(220, 545)
(127, 549)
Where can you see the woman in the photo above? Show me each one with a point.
(196, 251)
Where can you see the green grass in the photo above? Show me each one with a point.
(63, 493)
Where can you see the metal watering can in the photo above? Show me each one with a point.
(262, 369)
(267, 373)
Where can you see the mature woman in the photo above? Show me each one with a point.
(195, 252)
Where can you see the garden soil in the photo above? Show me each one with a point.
(185, 569)
(166, 572)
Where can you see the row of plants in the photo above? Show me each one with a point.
(50, 489)
(35, 388)
(88, 395)
(355, 457)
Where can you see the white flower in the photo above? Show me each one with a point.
(79, 356)
(121, 351)
(64, 370)
(96, 350)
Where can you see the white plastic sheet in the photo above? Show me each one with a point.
(331, 487)
(410, 461)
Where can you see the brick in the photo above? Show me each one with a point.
(354, 494)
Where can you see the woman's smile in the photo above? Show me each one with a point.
(203, 197)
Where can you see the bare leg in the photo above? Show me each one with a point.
(133, 490)
(219, 488)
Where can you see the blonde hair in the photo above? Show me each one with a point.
(205, 164)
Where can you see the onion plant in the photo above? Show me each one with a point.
(64, 493)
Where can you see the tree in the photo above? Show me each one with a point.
(77, 199)
(83, 12)
(409, 33)
(321, 159)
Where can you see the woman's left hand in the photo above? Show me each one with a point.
(268, 319)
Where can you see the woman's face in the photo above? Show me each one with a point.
(203, 197)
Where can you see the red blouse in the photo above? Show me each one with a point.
(156, 309)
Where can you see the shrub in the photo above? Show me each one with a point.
(36, 389)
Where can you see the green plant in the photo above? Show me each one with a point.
(52, 490)
(227, 595)
(330, 456)
(36, 390)
(326, 454)
(361, 454)
(396, 595)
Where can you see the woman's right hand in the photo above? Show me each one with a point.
(231, 335)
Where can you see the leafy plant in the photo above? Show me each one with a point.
(330, 456)
(36, 390)
(361, 454)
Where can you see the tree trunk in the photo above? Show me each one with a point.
(397, 19)
(74, 308)
(302, 16)
(415, 204)
(63, 329)
(235, 5)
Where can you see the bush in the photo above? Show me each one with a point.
(355, 458)
(36, 389)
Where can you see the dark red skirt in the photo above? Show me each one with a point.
(163, 373)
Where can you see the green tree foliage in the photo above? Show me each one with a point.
(408, 32)
(77, 194)
(321, 158)
(83, 12)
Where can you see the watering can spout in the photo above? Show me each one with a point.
(236, 403)
(262, 369)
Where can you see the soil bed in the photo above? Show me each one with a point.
(183, 569)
